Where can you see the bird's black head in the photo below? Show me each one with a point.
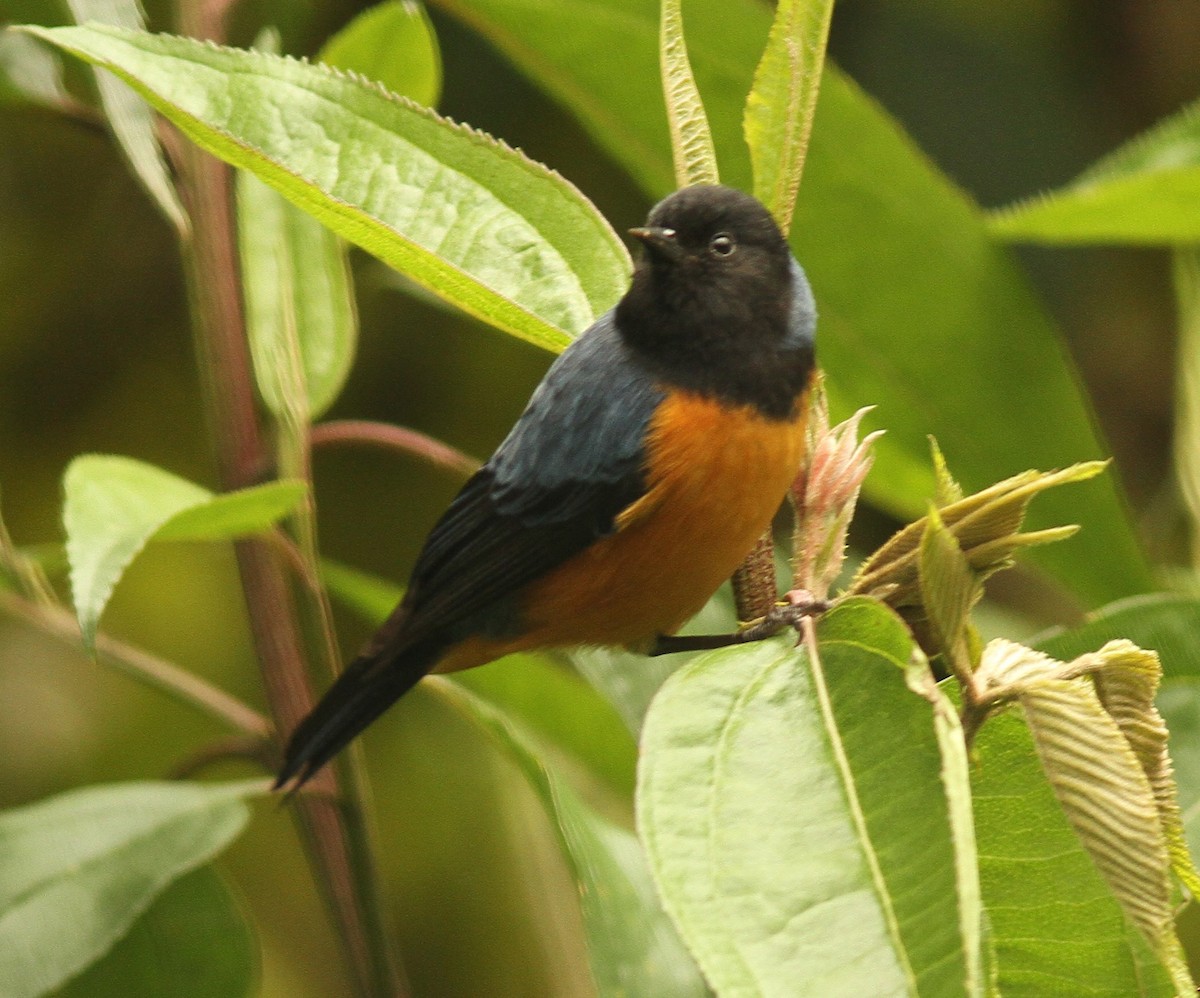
(717, 304)
(716, 234)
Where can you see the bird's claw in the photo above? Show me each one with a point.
(797, 605)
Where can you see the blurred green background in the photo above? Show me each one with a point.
(95, 355)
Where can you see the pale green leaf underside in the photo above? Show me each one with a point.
(114, 506)
(128, 115)
(1104, 748)
(978, 955)
(814, 917)
(78, 869)
(193, 940)
(1170, 624)
(1127, 685)
(478, 223)
(1105, 794)
(691, 140)
(948, 587)
(1055, 925)
(29, 72)
(1111, 805)
(300, 312)
(814, 862)
(780, 107)
(1148, 191)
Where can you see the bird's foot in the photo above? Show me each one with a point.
(798, 604)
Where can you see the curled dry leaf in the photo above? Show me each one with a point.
(1103, 746)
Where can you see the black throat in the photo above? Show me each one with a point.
(737, 349)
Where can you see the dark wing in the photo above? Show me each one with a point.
(569, 467)
(558, 482)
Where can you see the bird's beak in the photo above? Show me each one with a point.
(660, 241)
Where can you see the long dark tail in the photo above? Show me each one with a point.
(369, 686)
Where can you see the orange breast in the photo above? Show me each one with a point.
(715, 479)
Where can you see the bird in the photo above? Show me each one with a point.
(654, 453)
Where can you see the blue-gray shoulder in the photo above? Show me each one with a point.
(802, 324)
(586, 422)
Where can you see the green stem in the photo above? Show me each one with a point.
(27, 573)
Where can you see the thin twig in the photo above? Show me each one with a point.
(236, 747)
(143, 666)
(397, 438)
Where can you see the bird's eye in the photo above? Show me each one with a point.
(722, 244)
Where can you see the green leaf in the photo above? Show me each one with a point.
(394, 44)
(986, 526)
(299, 297)
(948, 591)
(633, 948)
(601, 62)
(29, 72)
(476, 222)
(370, 596)
(234, 514)
(130, 119)
(691, 140)
(193, 940)
(948, 490)
(944, 334)
(1055, 925)
(78, 869)
(796, 822)
(1148, 191)
(298, 292)
(782, 101)
(545, 696)
(956, 769)
(1169, 624)
(114, 506)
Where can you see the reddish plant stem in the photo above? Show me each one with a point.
(397, 438)
(333, 832)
